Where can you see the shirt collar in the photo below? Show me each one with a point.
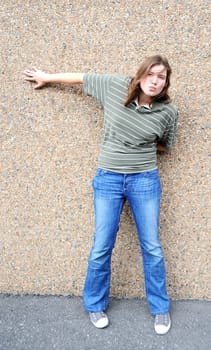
(142, 105)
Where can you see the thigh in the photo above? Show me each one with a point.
(108, 204)
(144, 198)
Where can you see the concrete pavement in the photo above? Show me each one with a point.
(57, 322)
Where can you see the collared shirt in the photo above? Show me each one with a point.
(130, 134)
(142, 105)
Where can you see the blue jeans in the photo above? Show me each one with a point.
(142, 191)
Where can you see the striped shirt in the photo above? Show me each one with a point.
(130, 134)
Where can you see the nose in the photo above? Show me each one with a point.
(154, 79)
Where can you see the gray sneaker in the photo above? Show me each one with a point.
(99, 319)
(162, 323)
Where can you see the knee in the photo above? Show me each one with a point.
(152, 250)
(99, 257)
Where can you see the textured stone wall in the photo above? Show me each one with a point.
(50, 140)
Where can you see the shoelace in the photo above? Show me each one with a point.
(162, 319)
(97, 316)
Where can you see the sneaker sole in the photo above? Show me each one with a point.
(102, 323)
(162, 330)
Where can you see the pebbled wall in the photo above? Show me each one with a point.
(50, 141)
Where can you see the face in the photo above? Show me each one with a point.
(154, 81)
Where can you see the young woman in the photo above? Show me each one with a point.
(138, 120)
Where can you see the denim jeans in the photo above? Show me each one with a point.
(142, 191)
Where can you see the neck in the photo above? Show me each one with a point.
(144, 100)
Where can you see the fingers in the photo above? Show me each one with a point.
(29, 74)
(33, 70)
(35, 75)
(39, 85)
(29, 78)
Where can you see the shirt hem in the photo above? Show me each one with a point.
(121, 171)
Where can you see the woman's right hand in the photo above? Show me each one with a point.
(36, 75)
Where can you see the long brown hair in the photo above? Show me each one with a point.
(134, 87)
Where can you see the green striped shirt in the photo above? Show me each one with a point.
(130, 134)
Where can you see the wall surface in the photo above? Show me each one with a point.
(50, 141)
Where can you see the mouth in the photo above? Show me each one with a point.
(152, 88)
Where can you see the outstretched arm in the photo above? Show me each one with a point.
(41, 78)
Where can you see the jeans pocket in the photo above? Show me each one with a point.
(98, 178)
(152, 174)
(100, 172)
